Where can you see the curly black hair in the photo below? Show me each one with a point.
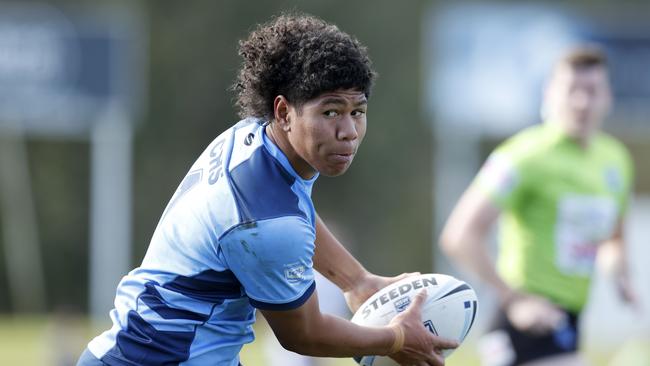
(300, 57)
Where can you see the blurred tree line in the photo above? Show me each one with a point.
(381, 207)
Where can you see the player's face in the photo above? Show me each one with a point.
(579, 99)
(326, 132)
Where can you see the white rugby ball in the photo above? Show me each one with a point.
(449, 310)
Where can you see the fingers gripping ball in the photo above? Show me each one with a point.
(449, 309)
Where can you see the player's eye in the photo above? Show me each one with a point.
(330, 113)
(358, 113)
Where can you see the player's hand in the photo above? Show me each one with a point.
(367, 286)
(420, 346)
(612, 262)
(626, 290)
(534, 314)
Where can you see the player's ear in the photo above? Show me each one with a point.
(281, 112)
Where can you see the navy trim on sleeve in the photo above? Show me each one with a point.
(286, 306)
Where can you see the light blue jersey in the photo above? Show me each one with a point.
(238, 234)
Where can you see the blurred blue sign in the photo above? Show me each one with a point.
(488, 62)
(629, 59)
(59, 71)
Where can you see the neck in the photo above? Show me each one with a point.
(280, 139)
(582, 140)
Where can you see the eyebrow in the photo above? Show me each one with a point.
(342, 101)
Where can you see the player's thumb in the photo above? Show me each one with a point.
(418, 300)
(445, 343)
(408, 274)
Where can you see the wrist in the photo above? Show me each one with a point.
(398, 340)
(356, 280)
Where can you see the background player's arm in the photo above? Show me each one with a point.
(464, 238)
(307, 331)
(334, 262)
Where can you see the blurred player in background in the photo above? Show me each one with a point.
(561, 189)
(241, 232)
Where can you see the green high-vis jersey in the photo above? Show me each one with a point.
(559, 200)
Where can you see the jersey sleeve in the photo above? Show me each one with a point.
(500, 178)
(273, 260)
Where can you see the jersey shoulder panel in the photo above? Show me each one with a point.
(613, 147)
(506, 171)
(261, 186)
(528, 144)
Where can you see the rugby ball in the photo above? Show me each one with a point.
(449, 310)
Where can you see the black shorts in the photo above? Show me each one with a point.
(504, 345)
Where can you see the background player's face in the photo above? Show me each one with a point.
(326, 132)
(579, 99)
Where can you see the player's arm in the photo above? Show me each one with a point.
(333, 261)
(272, 259)
(336, 263)
(464, 238)
(613, 259)
(612, 256)
(307, 331)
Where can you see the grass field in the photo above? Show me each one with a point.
(58, 340)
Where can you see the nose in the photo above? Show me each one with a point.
(347, 129)
(581, 101)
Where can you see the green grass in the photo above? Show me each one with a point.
(21, 341)
(40, 340)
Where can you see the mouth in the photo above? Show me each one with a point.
(342, 157)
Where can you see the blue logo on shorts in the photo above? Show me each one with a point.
(565, 337)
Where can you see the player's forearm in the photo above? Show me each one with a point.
(611, 255)
(468, 249)
(612, 258)
(464, 239)
(333, 261)
(336, 337)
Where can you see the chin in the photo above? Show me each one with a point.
(584, 131)
(334, 172)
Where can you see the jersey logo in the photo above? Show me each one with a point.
(613, 179)
(216, 169)
(294, 272)
(249, 139)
